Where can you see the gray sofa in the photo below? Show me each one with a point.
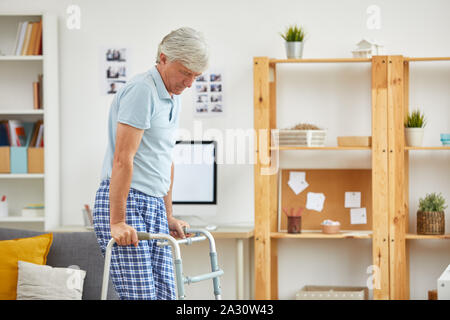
(73, 248)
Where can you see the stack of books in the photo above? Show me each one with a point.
(28, 39)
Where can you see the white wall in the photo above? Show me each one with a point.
(333, 96)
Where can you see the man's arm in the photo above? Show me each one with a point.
(175, 225)
(128, 139)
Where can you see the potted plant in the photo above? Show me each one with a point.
(414, 128)
(294, 36)
(430, 216)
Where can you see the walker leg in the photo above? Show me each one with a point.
(179, 278)
(216, 280)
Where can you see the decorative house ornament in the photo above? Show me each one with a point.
(367, 48)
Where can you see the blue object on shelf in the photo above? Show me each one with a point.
(445, 136)
(19, 155)
(19, 160)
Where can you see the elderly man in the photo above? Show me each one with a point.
(135, 193)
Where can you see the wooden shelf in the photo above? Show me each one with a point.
(428, 59)
(21, 219)
(21, 58)
(412, 236)
(428, 148)
(22, 176)
(318, 148)
(310, 234)
(320, 60)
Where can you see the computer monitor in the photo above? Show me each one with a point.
(194, 191)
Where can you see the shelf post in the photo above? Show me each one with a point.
(265, 180)
(398, 215)
(380, 222)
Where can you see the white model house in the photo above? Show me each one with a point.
(367, 48)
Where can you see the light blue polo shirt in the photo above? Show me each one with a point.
(145, 103)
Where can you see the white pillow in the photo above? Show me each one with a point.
(41, 282)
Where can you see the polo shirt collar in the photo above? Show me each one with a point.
(160, 87)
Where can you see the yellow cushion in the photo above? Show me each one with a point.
(34, 250)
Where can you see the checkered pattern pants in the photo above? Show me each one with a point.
(146, 271)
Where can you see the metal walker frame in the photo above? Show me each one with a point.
(168, 240)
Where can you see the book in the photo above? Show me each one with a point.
(19, 30)
(41, 91)
(40, 137)
(26, 41)
(4, 133)
(38, 41)
(23, 31)
(33, 37)
(35, 133)
(17, 133)
(35, 95)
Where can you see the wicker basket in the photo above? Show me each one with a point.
(431, 223)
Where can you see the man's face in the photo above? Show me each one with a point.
(176, 77)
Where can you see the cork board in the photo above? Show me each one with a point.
(333, 183)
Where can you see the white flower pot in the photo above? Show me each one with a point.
(414, 137)
(294, 49)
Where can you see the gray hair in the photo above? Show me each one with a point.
(186, 46)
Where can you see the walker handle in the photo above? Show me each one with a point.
(143, 236)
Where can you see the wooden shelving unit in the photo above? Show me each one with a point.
(389, 155)
(400, 211)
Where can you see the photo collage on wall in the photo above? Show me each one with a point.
(208, 94)
(114, 69)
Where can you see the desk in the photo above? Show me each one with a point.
(226, 232)
(238, 233)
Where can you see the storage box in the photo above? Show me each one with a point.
(443, 284)
(303, 138)
(354, 141)
(19, 159)
(35, 160)
(5, 160)
(332, 293)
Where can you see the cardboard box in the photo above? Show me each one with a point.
(354, 141)
(35, 160)
(332, 293)
(5, 166)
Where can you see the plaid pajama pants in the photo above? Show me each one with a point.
(146, 271)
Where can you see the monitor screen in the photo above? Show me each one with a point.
(195, 173)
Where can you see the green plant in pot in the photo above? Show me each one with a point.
(294, 37)
(414, 128)
(431, 216)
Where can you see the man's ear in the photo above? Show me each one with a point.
(162, 58)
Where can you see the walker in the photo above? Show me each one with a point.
(215, 273)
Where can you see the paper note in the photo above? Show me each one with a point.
(297, 186)
(353, 199)
(315, 201)
(296, 175)
(297, 181)
(358, 216)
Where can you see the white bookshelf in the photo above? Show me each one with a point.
(16, 102)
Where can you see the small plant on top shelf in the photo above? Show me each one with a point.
(415, 119)
(431, 216)
(293, 33)
(294, 37)
(414, 128)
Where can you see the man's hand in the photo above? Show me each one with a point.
(124, 234)
(176, 227)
